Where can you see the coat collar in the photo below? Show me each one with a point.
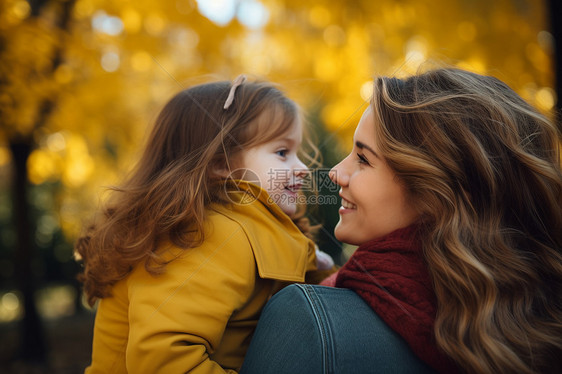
(280, 249)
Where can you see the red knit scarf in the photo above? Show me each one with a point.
(390, 275)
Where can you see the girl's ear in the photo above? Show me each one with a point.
(221, 169)
(222, 172)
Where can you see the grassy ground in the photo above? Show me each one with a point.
(69, 343)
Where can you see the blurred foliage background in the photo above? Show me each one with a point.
(81, 81)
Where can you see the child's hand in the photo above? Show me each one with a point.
(323, 260)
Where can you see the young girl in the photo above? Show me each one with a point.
(184, 256)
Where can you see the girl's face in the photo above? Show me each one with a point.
(374, 201)
(278, 168)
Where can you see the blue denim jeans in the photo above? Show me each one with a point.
(315, 329)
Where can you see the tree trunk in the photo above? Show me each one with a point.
(32, 344)
(32, 347)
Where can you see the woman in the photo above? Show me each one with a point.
(453, 193)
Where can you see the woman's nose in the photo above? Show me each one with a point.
(338, 175)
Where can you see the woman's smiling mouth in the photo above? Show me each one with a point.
(347, 205)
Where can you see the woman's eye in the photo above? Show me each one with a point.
(282, 152)
(362, 159)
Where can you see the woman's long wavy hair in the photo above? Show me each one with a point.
(165, 197)
(483, 168)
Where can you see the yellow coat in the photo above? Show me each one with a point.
(199, 315)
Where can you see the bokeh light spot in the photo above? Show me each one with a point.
(154, 24)
(56, 142)
(110, 62)
(21, 9)
(5, 156)
(132, 20)
(83, 8)
(334, 36)
(43, 166)
(110, 25)
(366, 90)
(545, 98)
(252, 14)
(221, 12)
(10, 307)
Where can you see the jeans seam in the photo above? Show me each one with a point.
(321, 319)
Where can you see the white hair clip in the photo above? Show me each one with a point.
(235, 83)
